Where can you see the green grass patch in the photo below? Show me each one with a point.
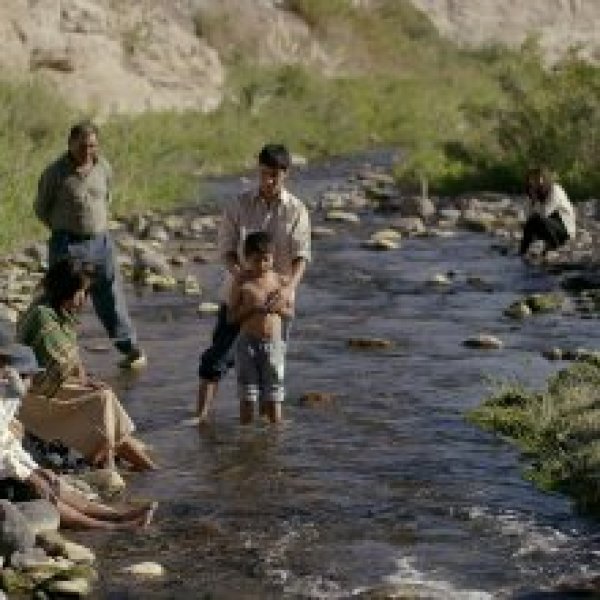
(558, 430)
(467, 120)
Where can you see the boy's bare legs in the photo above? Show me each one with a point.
(246, 412)
(207, 390)
(272, 411)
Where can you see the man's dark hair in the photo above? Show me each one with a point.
(63, 279)
(82, 128)
(258, 242)
(275, 156)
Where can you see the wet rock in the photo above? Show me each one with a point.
(451, 215)
(298, 160)
(208, 308)
(145, 569)
(342, 216)
(479, 283)
(580, 586)
(553, 354)
(483, 341)
(190, 285)
(179, 260)
(157, 233)
(56, 545)
(106, 481)
(13, 581)
(41, 515)
(416, 206)
(15, 532)
(73, 588)
(476, 221)
(374, 176)
(369, 343)
(321, 232)
(380, 244)
(146, 261)
(544, 302)
(32, 559)
(518, 310)
(440, 279)
(333, 199)
(8, 314)
(315, 398)
(38, 252)
(160, 283)
(175, 224)
(384, 194)
(409, 225)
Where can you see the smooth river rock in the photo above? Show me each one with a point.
(484, 341)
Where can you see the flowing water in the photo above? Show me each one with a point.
(387, 487)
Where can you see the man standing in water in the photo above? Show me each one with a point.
(73, 201)
(274, 210)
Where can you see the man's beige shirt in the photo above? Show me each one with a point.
(287, 221)
(74, 202)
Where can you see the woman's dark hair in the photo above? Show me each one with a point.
(274, 156)
(63, 280)
(538, 182)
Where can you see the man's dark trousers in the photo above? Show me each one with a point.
(106, 290)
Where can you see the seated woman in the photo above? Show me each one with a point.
(17, 365)
(64, 403)
(551, 217)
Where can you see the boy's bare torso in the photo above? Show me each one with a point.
(254, 294)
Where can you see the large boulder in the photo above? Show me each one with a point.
(15, 532)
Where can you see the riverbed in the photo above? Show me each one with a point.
(386, 487)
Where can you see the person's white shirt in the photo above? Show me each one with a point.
(15, 461)
(557, 201)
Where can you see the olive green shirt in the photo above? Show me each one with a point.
(74, 202)
(53, 338)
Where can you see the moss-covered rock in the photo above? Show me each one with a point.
(544, 302)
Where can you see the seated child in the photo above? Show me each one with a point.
(17, 365)
(260, 350)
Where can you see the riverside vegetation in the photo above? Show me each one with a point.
(556, 428)
(465, 118)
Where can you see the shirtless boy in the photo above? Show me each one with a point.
(260, 351)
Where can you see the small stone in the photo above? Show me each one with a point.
(41, 515)
(191, 287)
(380, 244)
(518, 310)
(208, 308)
(315, 398)
(145, 569)
(342, 216)
(106, 481)
(178, 260)
(8, 314)
(321, 232)
(15, 531)
(369, 343)
(78, 587)
(553, 354)
(484, 341)
(440, 279)
(31, 559)
(544, 302)
(409, 225)
(157, 233)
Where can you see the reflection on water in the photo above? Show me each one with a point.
(385, 488)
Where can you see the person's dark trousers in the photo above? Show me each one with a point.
(216, 360)
(106, 290)
(550, 230)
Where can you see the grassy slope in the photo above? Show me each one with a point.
(401, 84)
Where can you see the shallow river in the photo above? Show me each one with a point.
(387, 487)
